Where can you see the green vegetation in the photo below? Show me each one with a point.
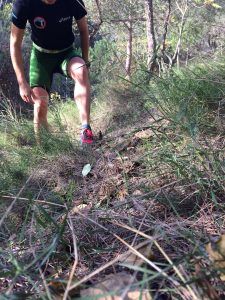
(176, 167)
(155, 182)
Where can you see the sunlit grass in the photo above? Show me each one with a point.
(173, 182)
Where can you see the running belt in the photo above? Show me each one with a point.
(50, 51)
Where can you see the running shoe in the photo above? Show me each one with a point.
(87, 136)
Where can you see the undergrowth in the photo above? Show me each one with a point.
(157, 176)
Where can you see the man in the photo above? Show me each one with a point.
(52, 51)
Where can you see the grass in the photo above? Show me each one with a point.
(159, 180)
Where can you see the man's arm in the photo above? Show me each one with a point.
(16, 38)
(84, 37)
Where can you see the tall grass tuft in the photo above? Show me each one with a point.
(167, 189)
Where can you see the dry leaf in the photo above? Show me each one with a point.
(82, 206)
(122, 194)
(98, 292)
(137, 193)
(58, 288)
(144, 134)
(216, 251)
(137, 295)
(113, 286)
(205, 284)
(144, 248)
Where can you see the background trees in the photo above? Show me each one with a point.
(157, 74)
(135, 35)
(169, 32)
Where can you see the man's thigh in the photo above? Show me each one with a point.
(64, 66)
(42, 67)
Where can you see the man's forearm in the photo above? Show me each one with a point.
(16, 38)
(84, 38)
(17, 62)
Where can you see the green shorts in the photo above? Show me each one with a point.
(44, 65)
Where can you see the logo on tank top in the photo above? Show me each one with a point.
(40, 22)
(64, 19)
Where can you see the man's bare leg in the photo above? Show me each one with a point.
(79, 72)
(40, 99)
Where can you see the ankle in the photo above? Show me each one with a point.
(85, 126)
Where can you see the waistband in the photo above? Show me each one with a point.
(50, 51)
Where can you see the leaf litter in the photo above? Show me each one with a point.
(113, 185)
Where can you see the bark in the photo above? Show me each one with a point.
(129, 49)
(96, 27)
(166, 24)
(151, 41)
(97, 2)
(183, 11)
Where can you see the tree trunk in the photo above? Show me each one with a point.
(129, 49)
(1, 4)
(166, 23)
(183, 11)
(151, 41)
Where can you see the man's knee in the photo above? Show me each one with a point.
(40, 98)
(40, 95)
(77, 69)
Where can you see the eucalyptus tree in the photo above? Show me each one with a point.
(5, 63)
(176, 29)
(169, 32)
(120, 19)
(150, 29)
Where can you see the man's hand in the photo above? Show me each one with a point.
(26, 92)
(16, 38)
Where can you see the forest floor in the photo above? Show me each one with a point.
(122, 205)
(116, 219)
